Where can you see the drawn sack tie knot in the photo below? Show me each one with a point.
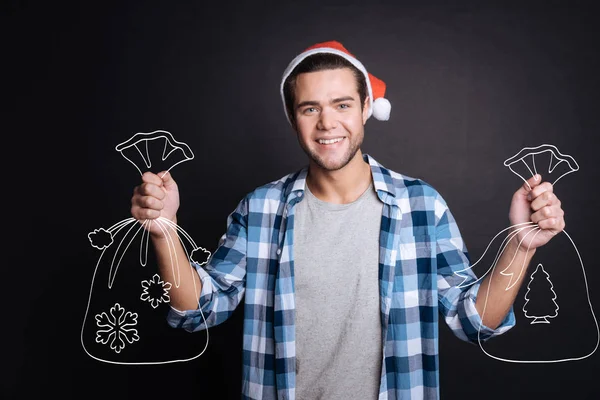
(125, 320)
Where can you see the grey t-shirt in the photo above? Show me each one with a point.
(338, 325)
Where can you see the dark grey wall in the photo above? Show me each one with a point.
(470, 86)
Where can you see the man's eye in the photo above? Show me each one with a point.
(309, 110)
(344, 106)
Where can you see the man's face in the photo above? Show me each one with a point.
(329, 119)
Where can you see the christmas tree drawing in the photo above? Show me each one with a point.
(542, 304)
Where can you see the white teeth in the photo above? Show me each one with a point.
(330, 141)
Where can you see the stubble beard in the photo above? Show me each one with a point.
(333, 166)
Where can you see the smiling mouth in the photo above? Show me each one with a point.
(330, 141)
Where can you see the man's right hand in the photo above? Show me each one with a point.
(157, 196)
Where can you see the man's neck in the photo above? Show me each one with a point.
(342, 186)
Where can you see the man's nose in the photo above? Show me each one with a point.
(327, 120)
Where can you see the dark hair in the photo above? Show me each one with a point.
(320, 62)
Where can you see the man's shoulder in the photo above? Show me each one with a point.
(404, 186)
(277, 189)
(415, 194)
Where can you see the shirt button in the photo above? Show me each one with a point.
(278, 251)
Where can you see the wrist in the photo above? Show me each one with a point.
(169, 230)
(519, 246)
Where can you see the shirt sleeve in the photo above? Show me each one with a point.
(458, 286)
(223, 278)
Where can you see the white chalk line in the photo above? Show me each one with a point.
(545, 361)
(503, 245)
(555, 296)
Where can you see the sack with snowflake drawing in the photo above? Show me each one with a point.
(126, 316)
(553, 306)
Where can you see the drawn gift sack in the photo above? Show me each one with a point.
(555, 320)
(126, 316)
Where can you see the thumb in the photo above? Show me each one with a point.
(167, 180)
(529, 184)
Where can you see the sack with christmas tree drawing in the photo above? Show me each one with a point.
(553, 306)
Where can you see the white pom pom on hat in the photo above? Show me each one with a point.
(380, 107)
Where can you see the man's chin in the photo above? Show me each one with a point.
(331, 164)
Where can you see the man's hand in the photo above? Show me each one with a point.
(536, 202)
(157, 196)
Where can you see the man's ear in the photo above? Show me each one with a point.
(365, 110)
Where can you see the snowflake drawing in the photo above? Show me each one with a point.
(156, 291)
(118, 328)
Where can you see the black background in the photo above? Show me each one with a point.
(470, 85)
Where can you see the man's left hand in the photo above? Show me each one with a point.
(536, 202)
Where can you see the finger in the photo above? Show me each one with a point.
(150, 202)
(547, 198)
(149, 177)
(546, 213)
(142, 214)
(538, 190)
(553, 224)
(167, 180)
(144, 201)
(529, 184)
(150, 189)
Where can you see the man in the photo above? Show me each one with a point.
(344, 265)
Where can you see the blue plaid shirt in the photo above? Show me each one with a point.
(420, 250)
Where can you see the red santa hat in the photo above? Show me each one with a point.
(380, 107)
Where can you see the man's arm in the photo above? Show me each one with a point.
(174, 267)
(200, 296)
(534, 203)
(158, 197)
(495, 296)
